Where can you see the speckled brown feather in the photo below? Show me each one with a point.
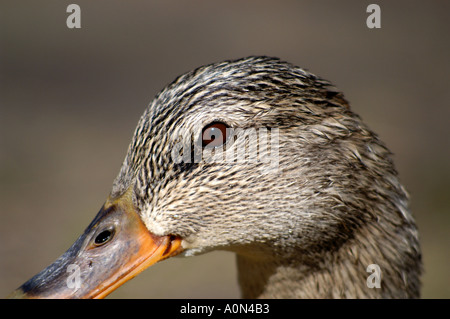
(307, 229)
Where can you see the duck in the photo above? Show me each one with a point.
(261, 158)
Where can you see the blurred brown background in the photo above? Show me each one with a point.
(70, 100)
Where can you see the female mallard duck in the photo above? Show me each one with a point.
(312, 215)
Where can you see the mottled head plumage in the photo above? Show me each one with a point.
(333, 205)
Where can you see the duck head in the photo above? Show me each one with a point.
(254, 156)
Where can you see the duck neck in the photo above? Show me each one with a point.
(356, 270)
(260, 278)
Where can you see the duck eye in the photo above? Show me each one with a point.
(103, 237)
(215, 134)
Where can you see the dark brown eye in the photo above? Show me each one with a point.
(215, 134)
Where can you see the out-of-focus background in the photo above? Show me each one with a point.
(70, 100)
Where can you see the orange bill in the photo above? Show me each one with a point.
(114, 248)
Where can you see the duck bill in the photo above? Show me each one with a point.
(114, 248)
